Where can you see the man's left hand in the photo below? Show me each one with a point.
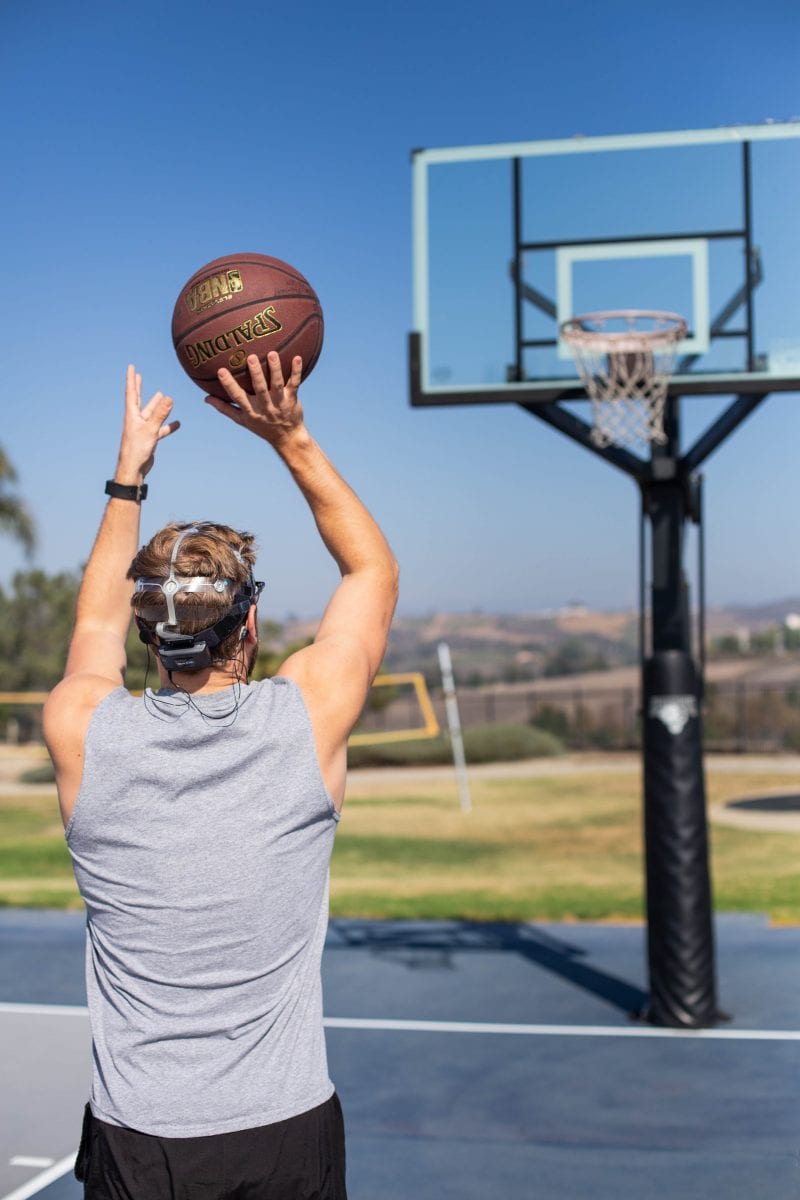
(143, 429)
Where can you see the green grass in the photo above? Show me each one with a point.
(475, 904)
(35, 866)
(401, 856)
(43, 774)
(566, 847)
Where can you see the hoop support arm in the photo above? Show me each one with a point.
(725, 425)
(581, 432)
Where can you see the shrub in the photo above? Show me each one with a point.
(43, 774)
(553, 720)
(482, 743)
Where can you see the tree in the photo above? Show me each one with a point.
(36, 617)
(15, 517)
(573, 656)
(271, 650)
(727, 645)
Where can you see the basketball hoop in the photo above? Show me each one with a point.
(625, 359)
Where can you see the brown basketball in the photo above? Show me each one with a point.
(245, 304)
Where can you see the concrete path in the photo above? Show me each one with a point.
(571, 764)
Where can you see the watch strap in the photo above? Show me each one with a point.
(126, 491)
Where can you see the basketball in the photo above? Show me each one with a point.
(245, 304)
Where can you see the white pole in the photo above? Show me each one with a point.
(454, 724)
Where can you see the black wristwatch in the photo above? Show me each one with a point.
(126, 491)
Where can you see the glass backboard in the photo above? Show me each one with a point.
(511, 240)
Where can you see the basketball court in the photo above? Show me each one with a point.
(480, 1060)
(473, 1061)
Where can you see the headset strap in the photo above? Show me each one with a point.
(212, 636)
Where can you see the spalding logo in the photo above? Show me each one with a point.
(674, 712)
(260, 326)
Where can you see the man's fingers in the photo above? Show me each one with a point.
(297, 373)
(166, 430)
(275, 371)
(130, 386)
(235, 392)
(256, 375)
(158, 405)
(225, 406)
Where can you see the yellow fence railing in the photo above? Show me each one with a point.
(429, 729)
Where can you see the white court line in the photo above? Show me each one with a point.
(27, 1160)
(391, 1025)
(48, 1010)
(43, 1180)
(624, 1031)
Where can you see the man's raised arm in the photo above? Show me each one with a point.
(96, 659)
(334, 673)
(103, 611)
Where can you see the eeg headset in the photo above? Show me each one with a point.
(192, 651)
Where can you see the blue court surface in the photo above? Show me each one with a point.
(473, 1061)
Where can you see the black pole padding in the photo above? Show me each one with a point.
(679, 914)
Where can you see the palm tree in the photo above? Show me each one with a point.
(15, 518)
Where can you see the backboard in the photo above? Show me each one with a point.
(511, 240)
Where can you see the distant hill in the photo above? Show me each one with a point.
(753, 617)
(520, 647)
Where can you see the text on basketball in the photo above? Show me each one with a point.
(262, 325)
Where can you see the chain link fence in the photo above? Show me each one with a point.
(738, 717)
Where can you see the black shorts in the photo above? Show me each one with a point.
(301, 1158)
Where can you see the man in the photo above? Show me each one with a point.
(200, 819)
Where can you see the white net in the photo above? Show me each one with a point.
(625, 359)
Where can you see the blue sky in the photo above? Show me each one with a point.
(144, 140)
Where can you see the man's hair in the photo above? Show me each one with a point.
(208, 552)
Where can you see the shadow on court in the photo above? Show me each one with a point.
(429, 946)
(478, 1061)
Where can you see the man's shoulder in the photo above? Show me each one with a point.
(82, 687)
(72, 701)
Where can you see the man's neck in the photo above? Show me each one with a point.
(201, 682)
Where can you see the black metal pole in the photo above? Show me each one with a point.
(642, 583)
(680, 932)
(701, 586)
(518, 318)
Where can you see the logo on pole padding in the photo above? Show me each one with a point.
(674, 712)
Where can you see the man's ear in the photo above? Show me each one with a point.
(251, 625)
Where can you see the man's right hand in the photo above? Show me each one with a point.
(272, 411)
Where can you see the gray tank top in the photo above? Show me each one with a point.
(201, 841)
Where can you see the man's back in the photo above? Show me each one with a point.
(201, 842)
(201, 839)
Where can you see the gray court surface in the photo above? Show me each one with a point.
(473, 1061)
